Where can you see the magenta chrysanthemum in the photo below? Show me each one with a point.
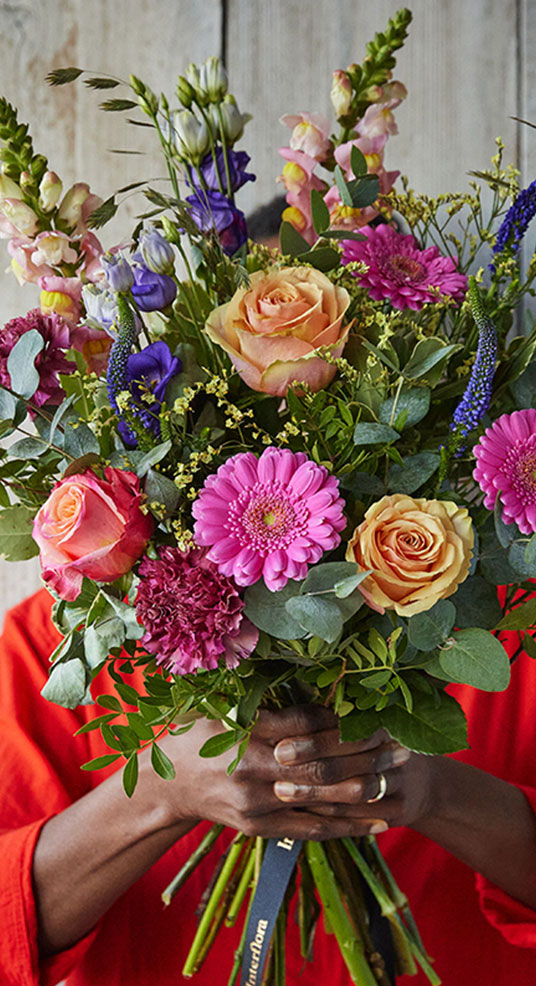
(506, 467)
(399, 271)
(192, 614)
(270, 517)
(50, 361)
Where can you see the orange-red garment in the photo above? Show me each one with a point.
(477, 934)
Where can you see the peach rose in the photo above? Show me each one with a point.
(419, 552)
(273, 328)
(93, 527)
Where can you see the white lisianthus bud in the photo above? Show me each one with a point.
(233, 120)
(50, 190)
(192, 136)
(213, 78)
(193, 75)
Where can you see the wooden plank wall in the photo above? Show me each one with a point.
(468, 67)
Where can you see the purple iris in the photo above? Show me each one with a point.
(237, 161)
(213, 211)
(151, 370)
(153, 292)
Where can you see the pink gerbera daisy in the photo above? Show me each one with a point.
(506, 467)
(270, 517)
(399, 271)
(192, 614)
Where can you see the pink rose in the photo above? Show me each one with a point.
(91, 527)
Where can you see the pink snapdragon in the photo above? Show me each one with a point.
(310, 133)
(268, 517)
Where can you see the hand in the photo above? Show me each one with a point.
(298, 746)
(338, 779)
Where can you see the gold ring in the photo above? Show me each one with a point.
(382, 790)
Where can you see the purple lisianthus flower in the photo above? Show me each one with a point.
(237, 161)
(153, 292)
(100, 305)
(157, 252)
(118, 272)
(148, 372)
(214, 211)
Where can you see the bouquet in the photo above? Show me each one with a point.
(257, 476)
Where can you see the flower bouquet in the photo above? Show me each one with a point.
(290, 474)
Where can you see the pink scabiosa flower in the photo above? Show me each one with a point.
(271, 516)
(49, 362)
(506, 467)
(400, 272)
(192, 614)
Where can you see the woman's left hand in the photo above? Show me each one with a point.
(405, 778)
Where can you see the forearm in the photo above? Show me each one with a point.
(89, 854)
(486, 823)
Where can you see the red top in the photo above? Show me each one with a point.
(476, 933)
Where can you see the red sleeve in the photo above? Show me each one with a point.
(39, 776)
(515, 921)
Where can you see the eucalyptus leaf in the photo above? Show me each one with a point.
(16, 541)
(374, 433)
(21, 363)
(319, 615)
(429, 629)
(475, 657)
(319, 212)
(8, 404)
(27, 448)
(292, 242)
(324, 577)
(426, 355)
(161, 489)
(530, 554)
(416, 401)
(476, 602)
(364, 191)
(155, 455)
(66, 685)
(358, 162)
(416, 471)
(79, 440)
(342, 186)
(267, 610)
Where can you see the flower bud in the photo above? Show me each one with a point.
(192, 136)
(9, 188)
(20, 215)
(118, 273)
(38, 166)
(341, 93)
(170, 230)
(193, 76)
(373, 94)
(49, 191)
(185, 93)
(157, 253)
(233, 120)
(70, 210)
(213, 79)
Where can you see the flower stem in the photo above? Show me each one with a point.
(242, 889)
(351, 947)
(192, 863)
(210, 910)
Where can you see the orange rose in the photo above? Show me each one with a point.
(273, 328)
(419, 552)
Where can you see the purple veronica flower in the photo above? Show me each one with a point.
(151, 370)
(237, 160)
(214, 211)
(516, 222)
(152, 292)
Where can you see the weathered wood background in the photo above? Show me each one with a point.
(467, 65)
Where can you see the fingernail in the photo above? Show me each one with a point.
(378, 827)
(285, 752)
(284, 790)
(400, 755)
